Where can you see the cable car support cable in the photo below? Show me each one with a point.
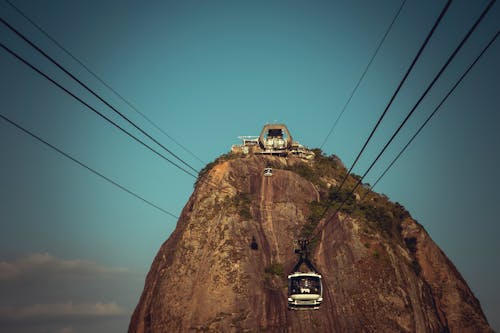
(344, 108)
(97, 77)
(6, 48)
(74, 159)
(410, 68)
(433, 113)
(86, 87)
(436, 77)
(51, 80)
(422, 47)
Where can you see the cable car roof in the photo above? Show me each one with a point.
(302, 274)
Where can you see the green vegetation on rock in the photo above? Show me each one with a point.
(275, 269)
(242, 203)
(326, 172)
(209, 166)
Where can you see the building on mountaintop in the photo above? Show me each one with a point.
(274, 139)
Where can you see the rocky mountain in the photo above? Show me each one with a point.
(224, 268)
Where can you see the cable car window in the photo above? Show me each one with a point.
(305, 285)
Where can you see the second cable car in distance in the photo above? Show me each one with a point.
(305, 289)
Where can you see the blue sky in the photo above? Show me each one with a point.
(207, 72)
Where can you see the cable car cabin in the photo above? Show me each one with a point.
(268, 172)
(305, 291)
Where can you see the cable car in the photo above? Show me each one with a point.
(268, 172)
(305, 290)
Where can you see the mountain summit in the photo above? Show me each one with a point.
(225, 267)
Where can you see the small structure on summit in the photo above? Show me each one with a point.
(274, 139)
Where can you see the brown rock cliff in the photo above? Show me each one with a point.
(206, 277)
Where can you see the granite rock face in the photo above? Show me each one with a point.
(207, 278)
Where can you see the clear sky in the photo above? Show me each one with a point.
(74, 250)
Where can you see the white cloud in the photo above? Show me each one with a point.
(62, 310)
(68, 329)
(47, 265)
